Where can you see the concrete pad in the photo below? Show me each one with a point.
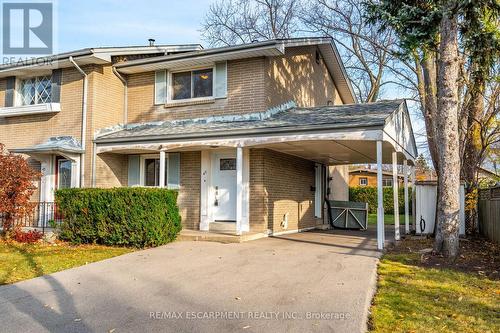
(320, 281)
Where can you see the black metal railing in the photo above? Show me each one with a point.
(44, 215)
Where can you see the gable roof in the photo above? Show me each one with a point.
(86, 56)
(269, 48)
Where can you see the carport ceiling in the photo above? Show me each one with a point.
(336, 152)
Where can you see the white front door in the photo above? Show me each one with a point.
(224, 186)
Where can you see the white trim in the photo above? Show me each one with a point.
(142, 175)
(239, 189)
(163, 159)
(245, 222)
(380, 199)
(24, 110)
(395, 191)
(318, 191)
(407, 213)
(206, 175)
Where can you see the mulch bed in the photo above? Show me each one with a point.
(476, 255)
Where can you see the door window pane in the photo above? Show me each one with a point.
(227, 164)
(64, 174)
(202, 83)
(181, 85)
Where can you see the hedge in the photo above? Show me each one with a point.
(369, 194)
(138, 217)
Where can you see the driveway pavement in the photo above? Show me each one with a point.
(308, 282)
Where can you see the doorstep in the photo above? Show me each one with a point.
(207, 236)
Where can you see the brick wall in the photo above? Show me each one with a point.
(246, 94)
(280, 184)
(189, 193)
(111, 170)
(296, 76)
(105, 108)
(258, 191)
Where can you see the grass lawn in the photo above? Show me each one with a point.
(25, 261)
(418, 296)
(388, 219)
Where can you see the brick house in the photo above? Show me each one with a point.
(368, 177)
(254, 135)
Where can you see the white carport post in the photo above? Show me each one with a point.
(380, 199)
(239, 189)
(407, 204)
(395, 190)
(162, 169)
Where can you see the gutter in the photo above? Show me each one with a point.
(125, 95)
(84, 119)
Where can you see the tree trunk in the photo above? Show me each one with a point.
(472, 151)
(447, 135)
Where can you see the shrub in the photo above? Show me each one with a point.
(369, 194)
(16, 187)
(31, 236)
(139, 217)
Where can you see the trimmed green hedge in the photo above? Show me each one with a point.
(139, 217)
(369, 194)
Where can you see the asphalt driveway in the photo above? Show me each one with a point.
(313, 281)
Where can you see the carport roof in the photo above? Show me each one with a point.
(287, 118)
(343, 134)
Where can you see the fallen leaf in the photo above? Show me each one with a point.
(237, 298)
(245, 327)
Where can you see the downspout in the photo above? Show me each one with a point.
(125, 95)
(84, 120)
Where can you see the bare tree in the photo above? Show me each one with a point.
(230, 22)
(367, 53)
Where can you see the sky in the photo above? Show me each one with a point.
(92, 23)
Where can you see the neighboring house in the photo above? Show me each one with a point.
(368, 177)
(248, 134)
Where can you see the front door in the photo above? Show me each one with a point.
(224, 186)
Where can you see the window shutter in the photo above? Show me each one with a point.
(160, 87)
(10, 91)
(221, 80)
(134, 170)
(174, 170)
(56, 85)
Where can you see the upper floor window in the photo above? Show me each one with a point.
(192, 84)
(36, 90)
(363, 181)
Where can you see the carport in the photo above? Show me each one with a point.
(378, 133)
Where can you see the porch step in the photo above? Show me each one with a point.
(223, 227)
(207, 236)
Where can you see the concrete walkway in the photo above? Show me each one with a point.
(313, 281)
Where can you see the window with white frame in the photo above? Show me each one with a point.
(363, 181)
(150, 170)
(36, 90)
(191, 84)
(387, 182)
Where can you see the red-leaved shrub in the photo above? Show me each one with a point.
(31, 236)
